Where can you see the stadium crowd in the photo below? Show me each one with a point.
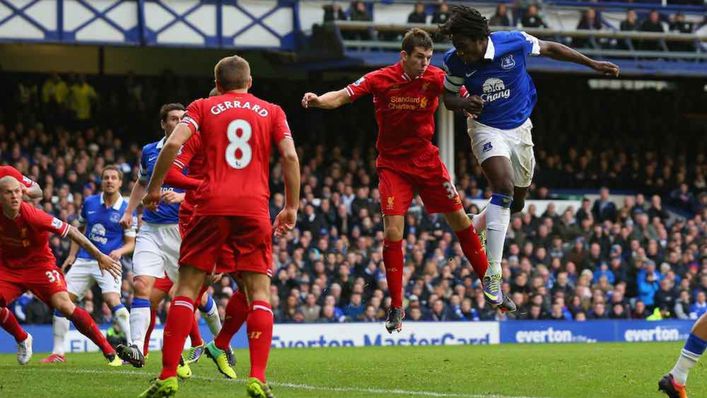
(525, 14)
(645, 256)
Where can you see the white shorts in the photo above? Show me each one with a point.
(157, 251)
(514, 144)
(84, 273)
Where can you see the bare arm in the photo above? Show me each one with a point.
(454, 102)
(287, 218)
(135, 197)
(104, 262)
(330, 100)
(291, 173)
(127, 248)
(33, 192)
(73, 251)
(563, 53)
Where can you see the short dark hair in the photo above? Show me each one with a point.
(167, 108)
(416, 37)
(465, 21)
(114, 168)
(232, 73)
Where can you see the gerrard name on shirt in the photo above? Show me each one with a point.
(223, 106)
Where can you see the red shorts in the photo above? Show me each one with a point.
(43, 282)
(185, 215)
(426, 175)
(228, 244)
(164, 284)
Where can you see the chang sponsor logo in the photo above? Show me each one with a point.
(655, 334)
(98, 234)
(551, 335)
(494, 89)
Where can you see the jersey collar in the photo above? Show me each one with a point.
(404, 75)
(118, 203)
(490, 50)
(160, 143)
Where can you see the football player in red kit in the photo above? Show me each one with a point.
(237, 132)
(405, 96)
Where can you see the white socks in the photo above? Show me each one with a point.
(60, 327)
(498, 215)
(479, 220)
(210, 314)
(139, 322)
(122, 317)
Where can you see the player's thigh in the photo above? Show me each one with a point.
(148, 257)
(107, 282)
(80, 277)
(437, 189)
(45, 283)
(493, 153)
(170, 240)
(9, 290)
(251, 239)
(523, 156)
(203, 241)
(396, 192)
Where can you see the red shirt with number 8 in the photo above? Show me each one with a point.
(238, 131)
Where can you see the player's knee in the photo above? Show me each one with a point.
(504, 186)
(393, 233)
(64, 305)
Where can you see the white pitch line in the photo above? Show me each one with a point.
(296, 386)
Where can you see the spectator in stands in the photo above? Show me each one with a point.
(532, 19)
(699, 307)
(657, 209)
(82, 98)
(682, 198)
(603, 208)
(589, 21)
(442, 14)
(333, 12)
(500, 17)
(652, 24)
(630, 24)
(418, 15)
(359, 12)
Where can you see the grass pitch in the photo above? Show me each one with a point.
(502, 371)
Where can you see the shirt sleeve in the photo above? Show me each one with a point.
(529, 43)
(45, 222)
(143, 177)
(280, 127)
(13, 172)
(454, 78)
(82, 215)
(362, 86)
(186, 153)
(192, 117)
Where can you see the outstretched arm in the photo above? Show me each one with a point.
(561, 52)
(330, 100)
(105, 263)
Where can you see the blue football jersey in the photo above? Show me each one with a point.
(102, 223)
(500, 79)
(166, 213)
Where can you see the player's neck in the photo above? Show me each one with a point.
(10, 213)
(237, 91)
(109, 199)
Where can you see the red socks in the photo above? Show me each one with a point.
(260, 320)
(85, 324)
(148, 333)
(179, 321)
(10, 324)
(474, 252)
(195, 334)
(393, 260)
(236, 314)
